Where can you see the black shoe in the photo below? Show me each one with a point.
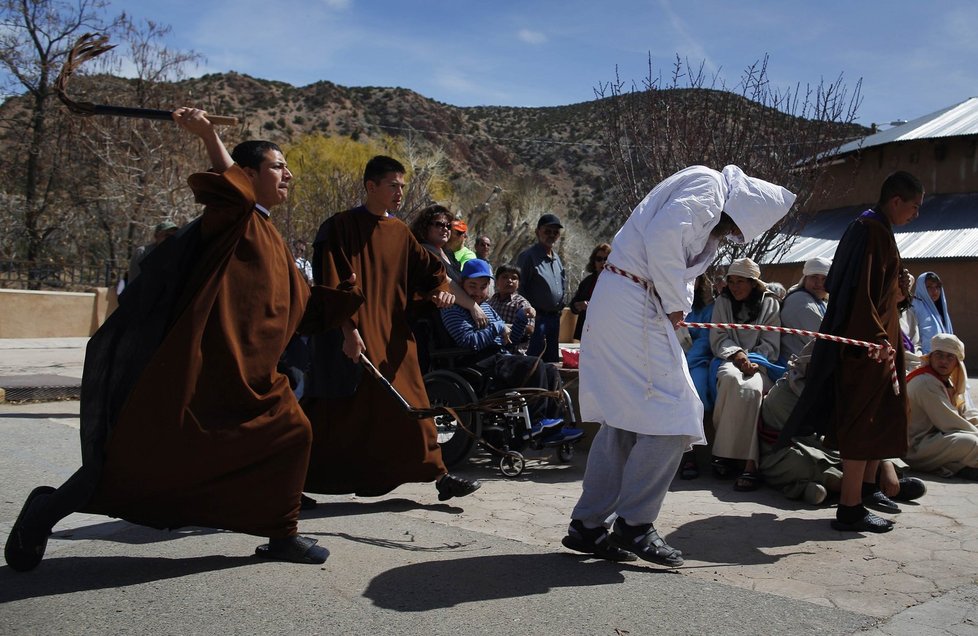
(910, 488)
(451, 486)
(878, 501)
(869, 523)
(645, 543)
(294, 549)
(26, 543)
(307, 503)
(593, 541)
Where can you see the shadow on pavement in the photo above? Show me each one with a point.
(12, 415)
(124, 532)
(78, 574)
(439, 584)
(741, 540)
(325, 510)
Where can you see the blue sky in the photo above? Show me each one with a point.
(913, 57)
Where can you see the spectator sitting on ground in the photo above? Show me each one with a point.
(804, 306)
(699, 355)
(578, 304)
(806, 469)
(507, 369)
(456, 242)
(930, 305)
(943, 429)
(744, 361)
(508, 304)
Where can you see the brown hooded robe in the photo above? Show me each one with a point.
(211, 434)
(364, 442)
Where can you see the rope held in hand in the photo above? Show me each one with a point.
(877, 351)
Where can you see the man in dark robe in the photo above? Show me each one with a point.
(184, 418)
(364, 442)
(849, 396)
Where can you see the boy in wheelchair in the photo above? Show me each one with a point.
(509, 370)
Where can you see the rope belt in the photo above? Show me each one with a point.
(648, 286)
(877, 352)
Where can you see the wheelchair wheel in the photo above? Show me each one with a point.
(446, 388)
(565, 453)
(512, 464)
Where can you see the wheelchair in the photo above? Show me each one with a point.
(502, 429)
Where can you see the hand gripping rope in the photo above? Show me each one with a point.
(877, 352)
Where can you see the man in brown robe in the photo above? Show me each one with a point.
(849, 396)
(184, 418)
(364, 442)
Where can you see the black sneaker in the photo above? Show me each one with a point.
(593, 541)
(879, 501)
(451, 486)
(869, 523)
(910, 488)
(645, 543)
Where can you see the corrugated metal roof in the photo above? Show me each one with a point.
(946, 228)
(953, 121)
(912, 245)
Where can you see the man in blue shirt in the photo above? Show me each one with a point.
(508, 370)
(544, 283)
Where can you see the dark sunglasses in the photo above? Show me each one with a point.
(443, 225)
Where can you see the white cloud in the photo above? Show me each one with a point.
(531, 37)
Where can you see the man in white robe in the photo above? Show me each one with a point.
(634, 378)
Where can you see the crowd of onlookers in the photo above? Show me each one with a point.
(749, 382)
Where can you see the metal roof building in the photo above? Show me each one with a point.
(953, 121)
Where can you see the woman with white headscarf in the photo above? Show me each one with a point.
(634, 378)
(804, 306)
(943, 428)
(744, 358)
(930, 306)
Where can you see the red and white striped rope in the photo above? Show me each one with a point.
(876, 351)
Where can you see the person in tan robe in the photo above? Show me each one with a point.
(846, 388)
(184, 418)
(943, 427)
(363, 440)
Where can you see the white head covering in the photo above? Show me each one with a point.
(948, 343)
(754, 204)
(746, 268)
(817, 266)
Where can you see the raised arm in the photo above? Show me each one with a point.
(195, 121)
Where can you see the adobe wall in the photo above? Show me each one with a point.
(47, 314)
(944, 166)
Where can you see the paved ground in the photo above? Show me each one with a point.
(490, 563)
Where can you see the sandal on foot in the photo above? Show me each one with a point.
(747, 481)
(722, 468)
(869, 523)
(593, 541)
(295, 549)
(645, 543)
(25, 545)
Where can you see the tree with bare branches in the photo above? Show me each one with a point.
(656, 128)
(35, 37)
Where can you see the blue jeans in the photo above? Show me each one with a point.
(547, 331)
